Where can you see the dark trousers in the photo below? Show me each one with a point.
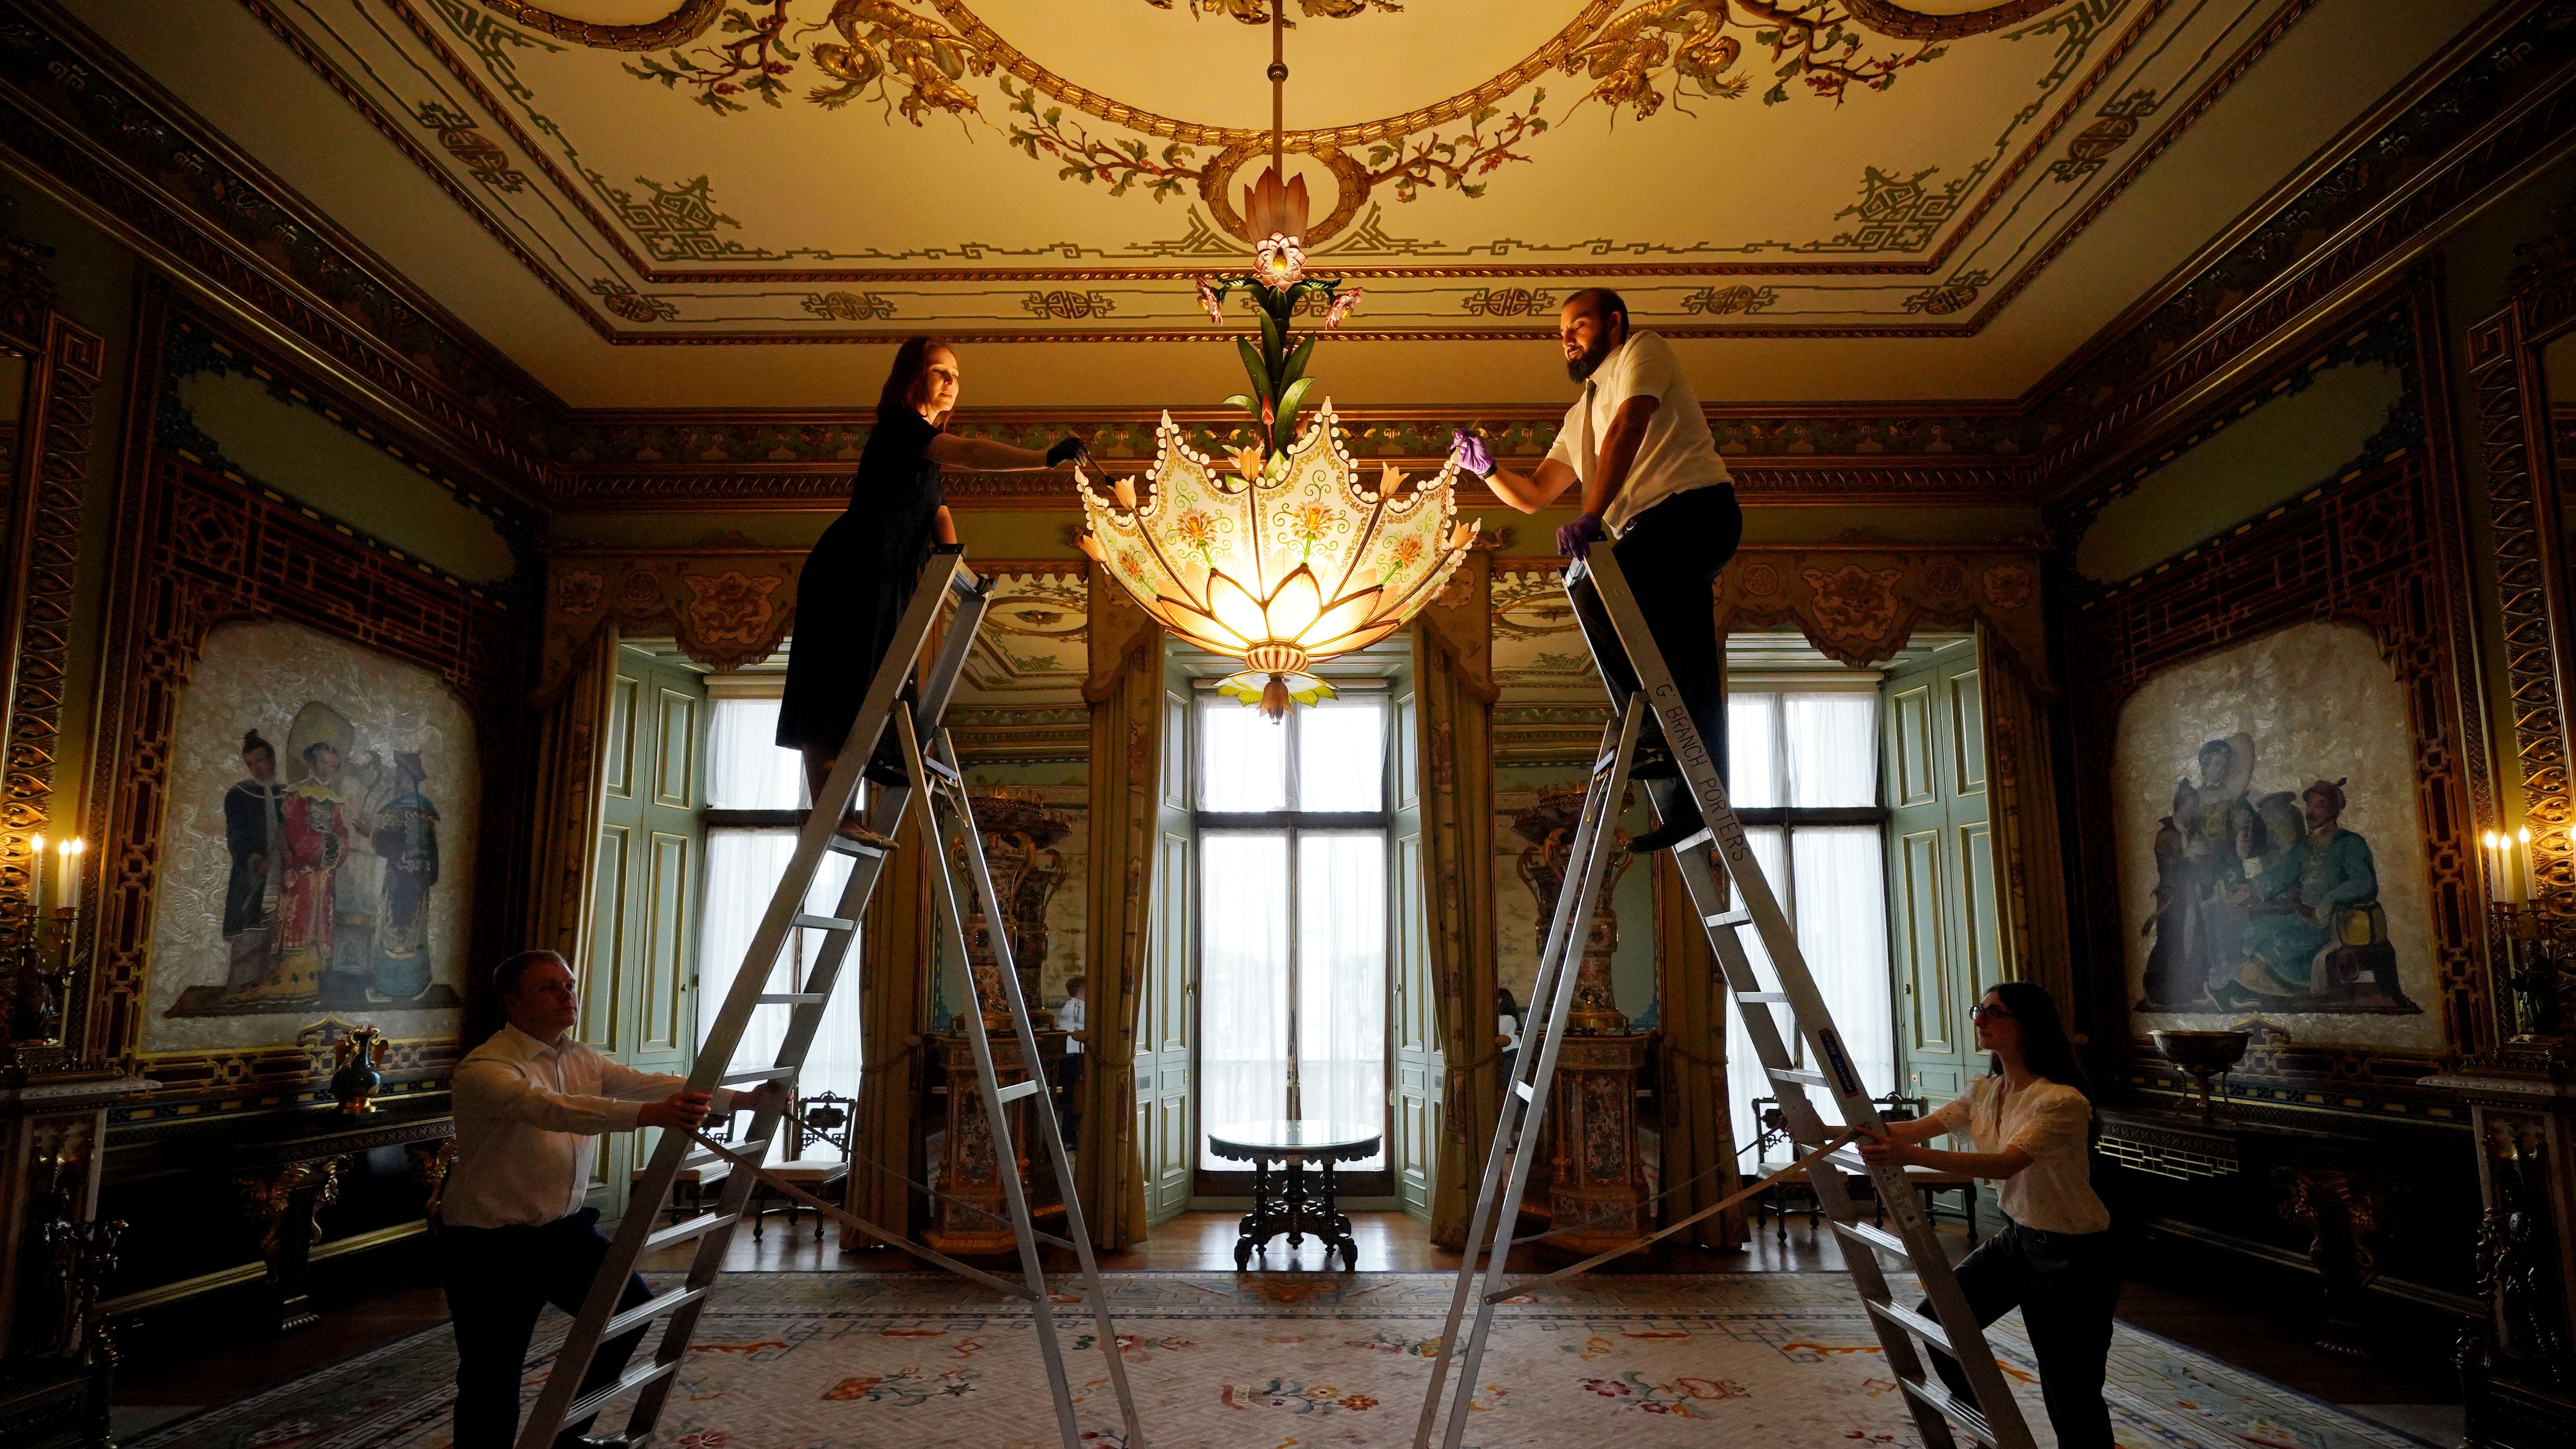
(496, 1280)
(1068, 1081)
(1670, 554)
(2066, 1285)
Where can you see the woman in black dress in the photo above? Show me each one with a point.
(860, 577)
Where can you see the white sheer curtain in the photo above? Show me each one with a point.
(747, 771)
(1341, 755)
(1807, 751)
(1243, 758)
(1341, 978)
(1831, 746)
(1243, 981)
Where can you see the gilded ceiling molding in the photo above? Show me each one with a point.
(1904, 24)
(685, 23)
(106, 141)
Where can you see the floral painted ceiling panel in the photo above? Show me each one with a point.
(813, 170)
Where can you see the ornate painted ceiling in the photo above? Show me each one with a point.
(826, 171)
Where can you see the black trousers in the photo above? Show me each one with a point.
(1068, 1081)
(2066, 1285)
(1670, 554)
(497, 1279)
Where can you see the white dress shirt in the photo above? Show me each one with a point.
(528, 1119)
(1678, 452)
(1071, 1017)
(2053, 1123)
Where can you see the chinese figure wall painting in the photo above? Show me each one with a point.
(320, 834)
(2271, 857)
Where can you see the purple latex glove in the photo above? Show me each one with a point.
(1468, 452)
(1582, 533)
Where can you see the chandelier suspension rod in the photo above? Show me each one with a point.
(1279, 87)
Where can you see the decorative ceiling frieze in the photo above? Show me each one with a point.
(86, 126)
(652, 190)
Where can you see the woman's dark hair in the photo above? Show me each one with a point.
(2045, 1048)
(905, 381)
(1503, 999)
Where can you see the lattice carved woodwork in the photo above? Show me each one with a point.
(2383, 553)
(196, 549)
(41, 525)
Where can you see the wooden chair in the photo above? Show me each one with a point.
(823, 1119)
(691, 1190)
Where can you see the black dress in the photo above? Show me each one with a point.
(858, 581)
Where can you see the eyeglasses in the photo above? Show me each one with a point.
(1983, 1012)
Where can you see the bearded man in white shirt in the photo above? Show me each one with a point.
(513, 1233)
(1639, 445)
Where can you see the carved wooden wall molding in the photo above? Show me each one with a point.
(2385, 553)
(195, 548)
(42, 522)
(1860, 604)
(725, 606)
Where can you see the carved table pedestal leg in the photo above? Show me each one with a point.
(284, 1202)
(2345, 1212)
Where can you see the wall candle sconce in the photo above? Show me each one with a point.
(2539, 950)
(42, 949)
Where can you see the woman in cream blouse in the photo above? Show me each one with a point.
(2031, 1117)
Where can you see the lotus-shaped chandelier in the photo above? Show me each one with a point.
(1283, 561)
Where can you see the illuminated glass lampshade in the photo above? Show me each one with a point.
(1282, 561)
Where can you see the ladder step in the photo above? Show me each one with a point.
(943, 769)
(1763, 998)
(1696, 840)
(1879, 1238)
(1847, 1160)
(1803, 1079)
(636, 1378)
(1605, 762)
(1524, 1089)
(650, 1308)
(1920, 1326)
(695, 1227)
(758, 1074)
(1728, 920)
(792, 998)
(847, 846)
(1016, 1090)
(805, 922)
(703, 1156)
(1957, 1410)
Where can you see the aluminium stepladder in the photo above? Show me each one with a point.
(1634, 671)
(945, 578)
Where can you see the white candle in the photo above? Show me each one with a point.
(2522, 863)
(35, 874)
(70, 890)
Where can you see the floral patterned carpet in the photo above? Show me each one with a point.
(1268, 1361)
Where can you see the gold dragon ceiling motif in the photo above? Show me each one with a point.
(813, 170)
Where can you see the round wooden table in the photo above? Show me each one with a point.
(1288, 1203)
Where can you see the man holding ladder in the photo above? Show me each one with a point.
(1640, 447)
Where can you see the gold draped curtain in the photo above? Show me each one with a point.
(572, 746)
(1125, 691)
(1453, 648)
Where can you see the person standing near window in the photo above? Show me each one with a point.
(860, 577)
(2031, 1117)
(1073, 1019)
(1640, 446)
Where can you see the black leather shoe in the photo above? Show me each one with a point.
(1654, 765)
(1672, 832)
(889, 773)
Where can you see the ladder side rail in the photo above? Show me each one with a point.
(1508, 1122)
(581, 1344)
(988, 1085)
(1779, 936)
(1593, 865)
(1807, 1008)
(1048, 1125)
(805, 1019)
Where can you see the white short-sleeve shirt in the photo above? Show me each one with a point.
(2053, 1123)
(1678, 452)
(1072, 1016)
